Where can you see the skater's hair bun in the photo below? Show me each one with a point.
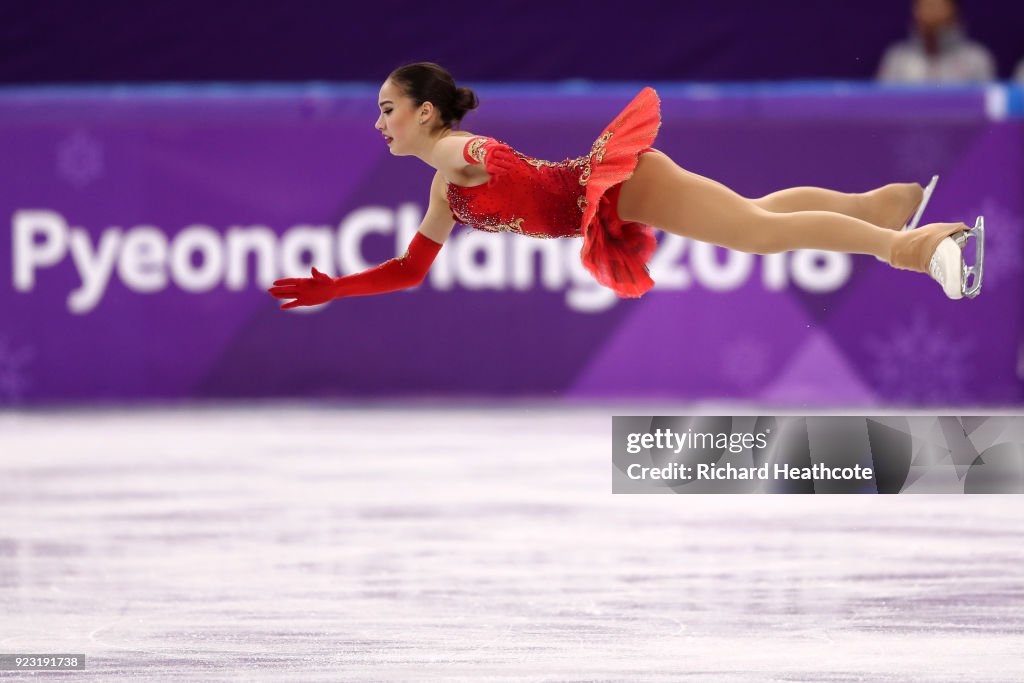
(465, 101)
(429, 82)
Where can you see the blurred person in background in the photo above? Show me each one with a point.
(1018, 74)
(938, 50)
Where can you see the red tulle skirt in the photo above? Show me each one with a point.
(615, 251)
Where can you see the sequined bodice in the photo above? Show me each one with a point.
(539, 199)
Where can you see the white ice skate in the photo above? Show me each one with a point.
(948, 268)
(924, 203)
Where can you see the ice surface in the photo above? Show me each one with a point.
(296, 543)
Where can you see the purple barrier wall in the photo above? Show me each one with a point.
(145, 224)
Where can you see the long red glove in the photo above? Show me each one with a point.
(497, 157)
(390, 276)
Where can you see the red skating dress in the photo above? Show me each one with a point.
(575, 198)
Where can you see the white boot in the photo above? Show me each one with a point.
(947, 266)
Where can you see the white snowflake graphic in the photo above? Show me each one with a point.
(920, 362)
(920, 154)
(80, 159)
(1003, 243)
(13, 376)
(745, 361)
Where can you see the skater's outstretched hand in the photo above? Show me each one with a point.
(307, 291)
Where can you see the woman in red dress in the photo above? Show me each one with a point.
(611, 196)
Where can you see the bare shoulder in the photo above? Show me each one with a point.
(451, 162)
(449, 148)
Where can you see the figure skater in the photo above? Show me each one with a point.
(611, 196)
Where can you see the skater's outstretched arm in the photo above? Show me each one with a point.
(398, 273)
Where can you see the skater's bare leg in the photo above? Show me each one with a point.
(662, 194)
(889, 206)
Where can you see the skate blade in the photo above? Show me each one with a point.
(970, 276)
(925, 198)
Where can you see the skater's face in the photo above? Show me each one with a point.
(400, 118)
(934, 14)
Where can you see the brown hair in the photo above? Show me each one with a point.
(429, 82)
